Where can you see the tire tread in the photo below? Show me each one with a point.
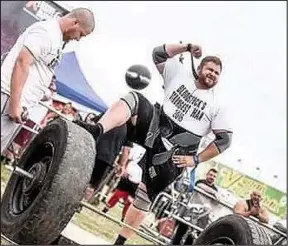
(61, 200)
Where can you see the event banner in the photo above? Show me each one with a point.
(16, 16)
(241, 185)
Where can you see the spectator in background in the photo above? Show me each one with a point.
(208, 185)
(67, 111)
(252, 207)
(128, 183)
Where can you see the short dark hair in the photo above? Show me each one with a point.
(214, 170)
(213, 59)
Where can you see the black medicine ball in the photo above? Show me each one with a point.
(138, 77)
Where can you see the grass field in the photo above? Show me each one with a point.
(90, 221)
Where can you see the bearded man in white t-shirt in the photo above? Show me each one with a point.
(28, 68)
(171, 135)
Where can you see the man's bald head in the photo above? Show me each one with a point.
(256, 197)
(77, 24)
(85, 17)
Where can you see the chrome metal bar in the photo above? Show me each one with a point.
(280, 240)
(155, 233)
(29, 129)
(225, 204)
(19, 171)
(184, 221)
(54, 110)
(7, 239)
(42, 104)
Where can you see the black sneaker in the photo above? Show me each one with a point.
(95, 130)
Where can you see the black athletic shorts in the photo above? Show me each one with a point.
(138, 133)
(110, 143)
(165, 173)
(126, 185)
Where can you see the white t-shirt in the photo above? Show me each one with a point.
(197, 111)
(133, 169)
(38, 113)
(44, 40)
(134, 172)
(69, 116)
(136, 153)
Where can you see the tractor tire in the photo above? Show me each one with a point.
(233, 229)
(61, 158)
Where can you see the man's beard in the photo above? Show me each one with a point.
(203, 81)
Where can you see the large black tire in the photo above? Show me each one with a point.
(65, 155)
(237, 229)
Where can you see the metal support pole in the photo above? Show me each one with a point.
(19, 171)
(54, 110)
(7, 239)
